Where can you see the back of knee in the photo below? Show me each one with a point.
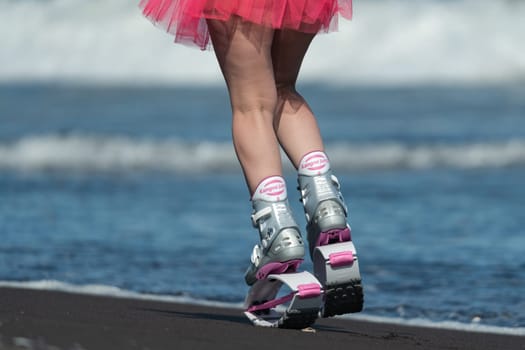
(255, 107)
(287, 92)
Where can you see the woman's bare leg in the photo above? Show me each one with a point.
(294, 123)
(244, 54)
(243, 51)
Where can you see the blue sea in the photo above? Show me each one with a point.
(117, 171)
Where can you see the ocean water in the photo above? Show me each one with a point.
(117, 170)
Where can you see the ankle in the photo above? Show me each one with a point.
(319, 188)
(271, 209)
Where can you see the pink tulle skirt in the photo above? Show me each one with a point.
(186, 19)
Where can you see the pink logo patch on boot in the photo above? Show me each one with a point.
(314, 163)
(271, 189)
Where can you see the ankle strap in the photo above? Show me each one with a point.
(260, 214)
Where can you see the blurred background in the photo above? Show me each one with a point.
(117, 173)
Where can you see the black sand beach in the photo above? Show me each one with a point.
(34, 319)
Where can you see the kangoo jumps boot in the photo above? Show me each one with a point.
(329, 236)
(281, 249)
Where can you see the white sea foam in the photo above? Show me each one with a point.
(475, 326)
(388, 42)
(90, 153)
(85, 153)
(112, 291)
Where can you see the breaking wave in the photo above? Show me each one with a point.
(89, 153)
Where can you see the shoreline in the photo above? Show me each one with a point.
(42, 319)
(116, 292)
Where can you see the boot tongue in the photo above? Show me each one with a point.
(271, 189)
(314, 163)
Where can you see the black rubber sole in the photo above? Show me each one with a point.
(299, 319)
(343, 299)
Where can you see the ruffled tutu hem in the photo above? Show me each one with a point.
(186, 19)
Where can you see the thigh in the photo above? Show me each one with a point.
(288, 50)
(243, 51)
